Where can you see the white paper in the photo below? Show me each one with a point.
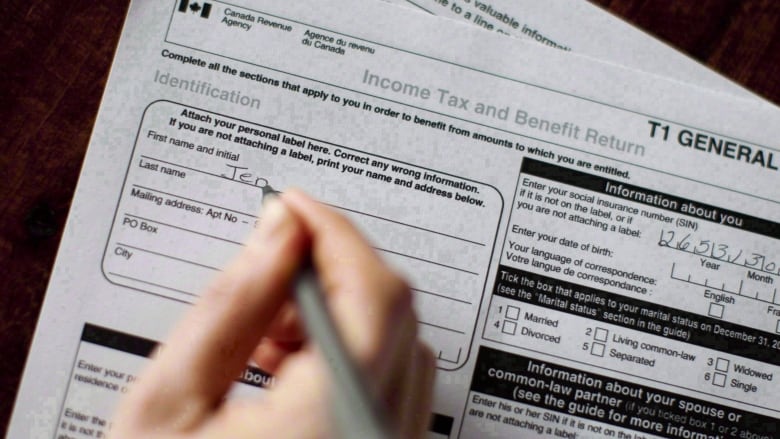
(500, 177)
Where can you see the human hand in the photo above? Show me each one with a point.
(247, 313)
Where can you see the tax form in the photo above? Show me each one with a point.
(583, 28)
(593, 251)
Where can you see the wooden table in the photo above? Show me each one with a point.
(54, 61)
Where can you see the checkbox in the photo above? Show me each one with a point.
(722, 364)
(716, 310)
(601, 334)
(719, 379)
(512, 312)
(509, 327)
(597, 349)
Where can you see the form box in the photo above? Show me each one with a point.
(512, 312)
(190, 199)
(716, 310)
(509, 327)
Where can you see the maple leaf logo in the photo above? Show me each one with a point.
(203, 9)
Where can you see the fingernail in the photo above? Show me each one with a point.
(273, 216)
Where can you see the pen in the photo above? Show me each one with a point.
(356, 413)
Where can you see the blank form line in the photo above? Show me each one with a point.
(441, 295)
(151, 283)
(441, 327)
(407, 225)
(422, 8)
(201, 171)
(427, 260)
(169, 257)
(241, 244)
(184, 229)
(332, 205)
(193, 200)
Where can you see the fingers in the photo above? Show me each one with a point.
(297, 408)
(304, 387)
(282, 337)
(210, 346)
(367, 300)
(287, 327)
(370, 305)
(415, 413)
(372, 309)
(270, 353)
(400, 354)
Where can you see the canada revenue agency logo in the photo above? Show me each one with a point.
(204, 8)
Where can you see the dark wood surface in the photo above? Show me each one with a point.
(54, 60)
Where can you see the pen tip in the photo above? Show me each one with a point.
(268, 190)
